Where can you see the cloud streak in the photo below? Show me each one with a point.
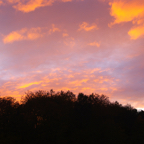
(30, 5)
(23, 34)
(94, 44)
(29, 34)
(86, 27)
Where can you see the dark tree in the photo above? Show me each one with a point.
(62, 117)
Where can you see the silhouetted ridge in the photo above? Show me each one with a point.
(55, 118)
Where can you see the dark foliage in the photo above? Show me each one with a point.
(62, 118)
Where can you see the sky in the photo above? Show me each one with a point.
(88, 46)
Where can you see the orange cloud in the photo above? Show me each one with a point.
(137, 32)
(101, 80)
(104, 89)
(30, 5)
(87, 89)
(29, 34)
(95, 70)
(14, 36)
(85, 26)
(1, 2)
(29, 84)
(65, 35)
(88, 81)
(13, 1)
(66, 0)
(70, 42)
(54, 29)
(79, 82)
(23, 34)
(94, 44)
(126, 11)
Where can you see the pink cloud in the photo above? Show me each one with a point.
(94, 44)
(29, 34)
(85, 26)
(23, 34)
(31, 5)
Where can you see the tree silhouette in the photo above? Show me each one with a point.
(62, 117)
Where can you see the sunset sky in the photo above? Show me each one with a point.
(89, 46)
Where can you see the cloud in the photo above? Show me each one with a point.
(85, 26)
(54, 29)
(60, 79)
(136, 32)
(23, 34)
(65, 35)
(29, 34)
(1, 2)
(29, 84)
(70, 42)
(13, 1)
(94, 44)
(129, 11)
(66, 0)
(30, 5)
(126, 10)
(14, 36)
(78, 82)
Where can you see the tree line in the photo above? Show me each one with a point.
(48, 117)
